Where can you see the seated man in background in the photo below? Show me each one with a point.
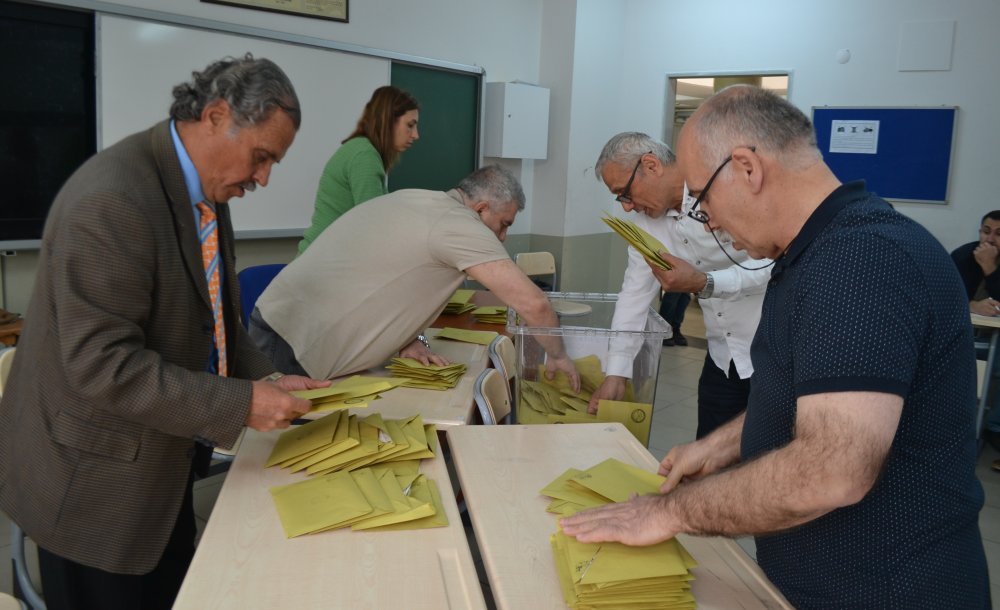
(381, 274)
(977, 264)
(642, 174)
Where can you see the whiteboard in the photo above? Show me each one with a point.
(141, 61)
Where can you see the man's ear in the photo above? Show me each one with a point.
(480, 206)
(750, 167)
(215, 113)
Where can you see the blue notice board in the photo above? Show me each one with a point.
(903, 154)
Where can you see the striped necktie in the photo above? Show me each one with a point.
(208, 235)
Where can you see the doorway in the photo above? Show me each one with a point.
(685, 92)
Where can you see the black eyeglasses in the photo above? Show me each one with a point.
(694, 212)
(625, 195)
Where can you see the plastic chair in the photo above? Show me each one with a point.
(492, 397)
(253, 281)
(537, 263)
(17, 536)
(503, 356)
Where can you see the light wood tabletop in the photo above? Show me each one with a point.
(502, 469)
(244, 560)
(444, 408)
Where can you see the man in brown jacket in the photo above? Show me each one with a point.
(117, 376)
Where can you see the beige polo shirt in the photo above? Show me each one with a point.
(375, 278)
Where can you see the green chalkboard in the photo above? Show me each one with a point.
(448, 148)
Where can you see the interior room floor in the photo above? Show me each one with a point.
(675, 416)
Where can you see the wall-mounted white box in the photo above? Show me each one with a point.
(517, 121)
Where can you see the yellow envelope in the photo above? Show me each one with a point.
(637, 416)
(304, 439)
(646, 244)
(481, 337)
(347, 437)
(560, 489)
(572, 417)
(617, 480)
(425, 490)
(368, 483)
(367, 446)
(462, 295)
(319, 502)
(415, 509)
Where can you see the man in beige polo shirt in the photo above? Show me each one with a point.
(380, 274)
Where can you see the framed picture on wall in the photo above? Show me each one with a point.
(334, 10)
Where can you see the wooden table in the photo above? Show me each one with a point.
(244, 560)
(501, 469)
(444, 408)
(480, 298)
(10, 332)
(992, 323)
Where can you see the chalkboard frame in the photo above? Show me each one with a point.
(100, 9)
(914, 154)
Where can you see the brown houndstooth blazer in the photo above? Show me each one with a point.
(108, 387)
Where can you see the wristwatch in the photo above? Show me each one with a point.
(274, 377)
(423, 340)
(706, 292)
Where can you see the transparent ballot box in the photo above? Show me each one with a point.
(585, 330)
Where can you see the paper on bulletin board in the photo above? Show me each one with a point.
(858, 137)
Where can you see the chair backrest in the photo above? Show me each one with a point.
(6, 360)
(537, 263)
(492, 396)
(503, 356)
(253, 281)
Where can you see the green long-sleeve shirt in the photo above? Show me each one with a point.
(353, 175)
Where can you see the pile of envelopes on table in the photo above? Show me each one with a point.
(646, 244)
(459, 302)
(433, 377)
(611, 574)
(490, 314)
(367, 475)
(480, 337)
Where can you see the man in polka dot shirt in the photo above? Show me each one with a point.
(854, 463)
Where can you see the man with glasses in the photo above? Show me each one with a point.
(854, 464)
(642, 174)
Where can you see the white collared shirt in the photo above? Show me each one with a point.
(731, 314)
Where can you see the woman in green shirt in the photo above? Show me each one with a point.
(356, 172)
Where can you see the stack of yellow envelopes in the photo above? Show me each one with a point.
(459, 302)
(490, 314)
(433, 377)
(367, 474)
(351, 393)
(646, 244)
(376, 498)
(610, 574)
(342, 441)
(481, 337)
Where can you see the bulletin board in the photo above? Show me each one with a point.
(904, 154)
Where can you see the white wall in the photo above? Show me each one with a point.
(660, 38)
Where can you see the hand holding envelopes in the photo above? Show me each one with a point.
(610, 574)
(351, 393)
(646, 244)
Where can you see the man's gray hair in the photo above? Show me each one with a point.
(494, 184)
(253, 88)
(743, 115)
(625, 149)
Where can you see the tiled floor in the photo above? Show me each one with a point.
(675, 419)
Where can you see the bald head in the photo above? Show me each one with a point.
(746, 116)
(750, 158)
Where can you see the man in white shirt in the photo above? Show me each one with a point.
(642, 174)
